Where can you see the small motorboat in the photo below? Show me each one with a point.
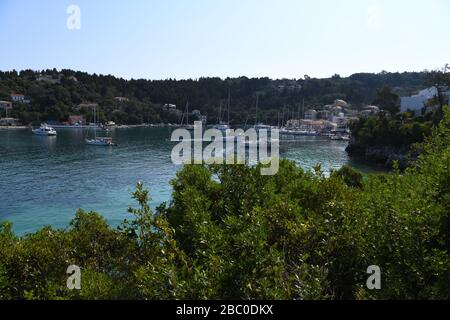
(45, 130)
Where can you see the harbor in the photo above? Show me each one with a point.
(62, 173)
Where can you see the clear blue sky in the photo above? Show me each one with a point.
(159, 39)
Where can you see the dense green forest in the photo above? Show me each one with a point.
(230, 233)
(56, 100)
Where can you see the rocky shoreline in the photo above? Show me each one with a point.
(384, 155)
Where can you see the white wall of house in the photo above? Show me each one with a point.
(18, 98)
(414, 103)
(417, 102)
(428, 93)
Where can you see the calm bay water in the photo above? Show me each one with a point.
(44, 180)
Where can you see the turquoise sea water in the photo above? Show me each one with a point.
(44, 180)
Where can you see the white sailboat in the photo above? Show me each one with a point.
(186, 125)
(222, 125)
(99, 141)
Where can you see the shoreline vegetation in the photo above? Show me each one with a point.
(386, 139)
(230, 233)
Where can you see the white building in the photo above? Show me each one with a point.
(19, 98)
(369, 111)
(418, 101)
(49, 79)
(5, 105)
(340, 103)
(341, 120)
(9, 122)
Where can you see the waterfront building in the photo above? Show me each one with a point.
(6, 105)
(9, 122)
(76, 120)
(311, 125)
(341, 120)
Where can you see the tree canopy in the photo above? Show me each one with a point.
(58, 94)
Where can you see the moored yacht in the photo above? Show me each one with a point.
(100, 141)
(45, 130)
(224, 126)
(186, 125)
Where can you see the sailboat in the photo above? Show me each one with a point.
(99, 141)
(186, 125)
(259, 126)
(222, 125)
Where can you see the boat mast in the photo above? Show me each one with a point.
(95, 124)
(303, 108)
(229, 102)
(257, 103)
(187, 113)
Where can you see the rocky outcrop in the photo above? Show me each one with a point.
(385, 155)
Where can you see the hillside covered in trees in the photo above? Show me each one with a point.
(54, 95)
